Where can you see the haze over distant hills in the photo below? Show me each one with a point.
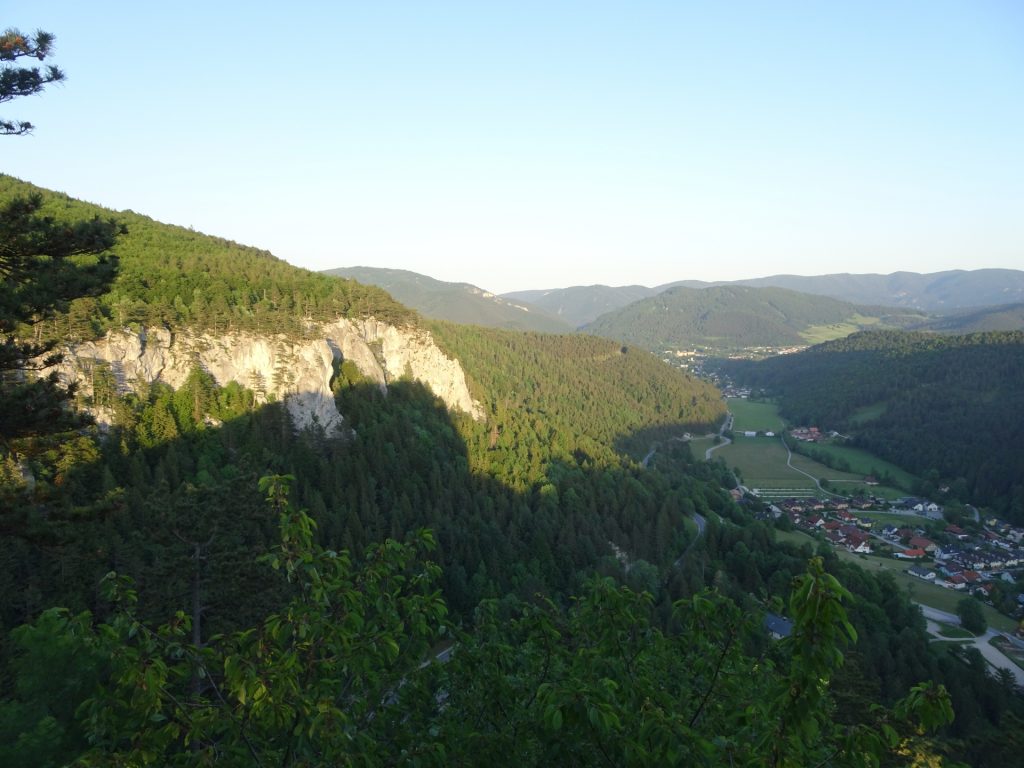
(937, 291)
(582, 304)
(739, 317)
(457, 302)
(728, 315)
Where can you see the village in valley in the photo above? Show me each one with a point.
(947, 555)
(952, 547)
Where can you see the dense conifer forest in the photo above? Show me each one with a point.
(174, 276)
(944, 407)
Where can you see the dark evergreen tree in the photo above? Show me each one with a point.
(44, 265)
(18, 81)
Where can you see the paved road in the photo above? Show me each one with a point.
(654, 448)
(992, 655)
(702, 523)
(650, 453)
(817, 482)
(698, 518)
(726, 425)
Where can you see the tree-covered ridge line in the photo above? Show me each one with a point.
(174, 276)
(454, 302)
(548, 382)
(909, 292)
(947, 407)
(729, 317)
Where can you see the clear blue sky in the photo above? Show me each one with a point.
(545, 144)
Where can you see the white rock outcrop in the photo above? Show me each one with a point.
(297, 371)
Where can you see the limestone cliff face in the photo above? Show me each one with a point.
(296, 370)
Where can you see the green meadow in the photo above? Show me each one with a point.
(762, 463)
(754, 416)
(862, 463)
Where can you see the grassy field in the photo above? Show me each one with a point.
(816, 334)
(862, 463)
(755, 417)
(921, 591)
(900, 521)
(762, 463)
(948, 630)
(820, 470)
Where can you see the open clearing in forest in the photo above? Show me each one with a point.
(863, 463)
(754, 416)
(922, 591)
(761, 462)
(818, 334)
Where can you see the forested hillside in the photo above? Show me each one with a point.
(549, 533)
(726, 318)
(1005, 317)
(947, 407)
(455, 302)
(170, 275)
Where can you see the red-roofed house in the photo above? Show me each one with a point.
(958, 581)
(910, 554)
(920, 542)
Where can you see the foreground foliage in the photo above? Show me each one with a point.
(344, 674)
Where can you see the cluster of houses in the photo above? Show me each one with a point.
(953, 558)
(807, 434)
(923, 507)
(833, 519)
(973, 562)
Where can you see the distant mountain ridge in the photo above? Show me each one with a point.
(455, 302)
(953, 289)
(582, 304)
(936, 291)
(733, 317)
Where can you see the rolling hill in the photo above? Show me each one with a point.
(937, 291)
(732, 318)
(582, 304)
(1008, 317)
(933, 291)
(455, 302)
